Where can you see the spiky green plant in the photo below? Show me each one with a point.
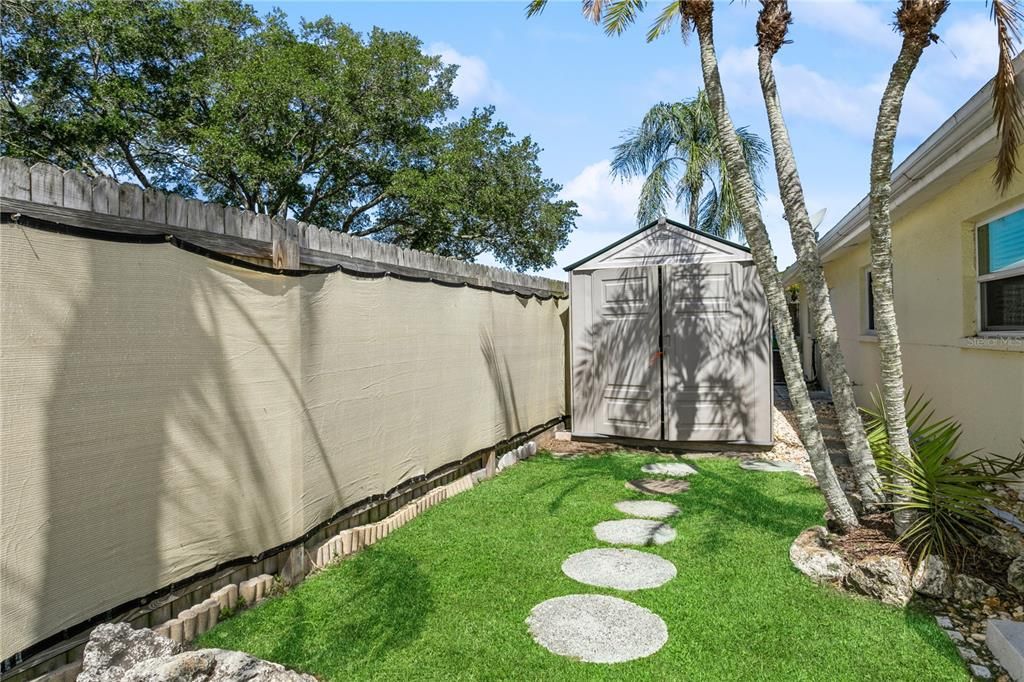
(948, 494)
(921, 424)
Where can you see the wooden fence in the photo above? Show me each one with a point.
(46, 192)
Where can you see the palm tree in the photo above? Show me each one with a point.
(616, 16)
(676, 148)
(916, 21)
(772, 26)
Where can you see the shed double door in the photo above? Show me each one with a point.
(675, 352)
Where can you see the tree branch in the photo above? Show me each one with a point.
(133, 164)
(346, 226)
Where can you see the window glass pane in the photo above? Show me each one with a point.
(871, 303)
(1002, 243)
(1004, 303)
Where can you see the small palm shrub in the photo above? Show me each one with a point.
(948, 493)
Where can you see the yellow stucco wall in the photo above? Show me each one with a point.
(980, 382)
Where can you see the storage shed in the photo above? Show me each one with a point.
(670, 340)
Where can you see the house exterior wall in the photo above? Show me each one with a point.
(977, 380)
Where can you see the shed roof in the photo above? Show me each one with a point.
(671, 242)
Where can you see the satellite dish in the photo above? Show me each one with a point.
(817, 218)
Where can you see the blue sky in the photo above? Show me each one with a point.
(574, 90)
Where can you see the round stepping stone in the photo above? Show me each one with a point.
(620, 569)
(658, 486)
(669, 469)
(634, 532)
(769, 467)
(595, 628)
(648, 509)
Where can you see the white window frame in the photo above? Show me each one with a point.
(992, 276)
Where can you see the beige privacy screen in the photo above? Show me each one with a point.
(164, 412)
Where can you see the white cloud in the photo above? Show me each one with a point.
(607, 212)
(966, 49)
(603, 200)
(858, 21)
(473, 84)
(811, 95)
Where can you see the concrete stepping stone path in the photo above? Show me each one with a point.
(620, 569)
(658, 486)
(596, 628)
(647, 509)
(669, 469)
(640, 532)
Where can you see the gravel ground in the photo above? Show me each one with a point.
(634, 532)
(596, 629)
(620, 569)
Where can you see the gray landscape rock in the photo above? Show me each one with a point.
(970, 589)
(932, 578)
(596, 628)
(812, 556)
(886, 578)
(980, 672)
(212, 665)
(647, 509)
(634, 532)
(118, 653)
(620, 569)
(1015, 574)
(113, 649)
(770, 467)
(679, 469)
(1000, 543)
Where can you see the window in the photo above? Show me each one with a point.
(1001, 273)
(869, 303)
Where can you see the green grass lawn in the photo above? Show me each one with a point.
(446, 596)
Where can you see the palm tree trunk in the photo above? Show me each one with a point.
(694, 206)
(764, 259)
(811, 273)
(916, 36)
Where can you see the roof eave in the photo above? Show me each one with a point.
(965, 132)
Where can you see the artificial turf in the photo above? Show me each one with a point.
(446, 596)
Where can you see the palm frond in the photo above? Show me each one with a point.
(1007, 107)
(535, 7)
(656, 192)
(662, 24)
(620, 14)
(643, 146)
(755, 152)
(710, 212)
(592, 10)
